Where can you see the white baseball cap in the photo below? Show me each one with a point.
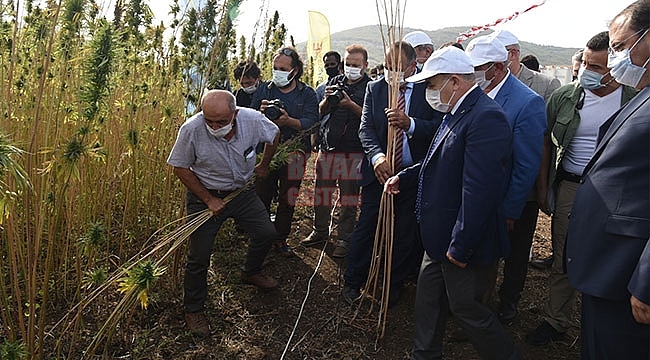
(506, 37)
(417, 38)
(448, 60)
(485, 49)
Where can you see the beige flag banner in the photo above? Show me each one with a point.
(318, 44)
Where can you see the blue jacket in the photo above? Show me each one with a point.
(526, 113)
(373, 131)
(607, 245)
(462, 183)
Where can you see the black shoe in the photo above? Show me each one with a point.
(543, 334)
(542, 264)
(351, 295)
(507, 312)
(314, 239)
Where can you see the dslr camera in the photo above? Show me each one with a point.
(337, 95)
(272, 110)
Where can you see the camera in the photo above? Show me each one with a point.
(272, 110)
(338, 93)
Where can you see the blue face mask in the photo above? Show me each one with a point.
(621, 66)
(590, 79)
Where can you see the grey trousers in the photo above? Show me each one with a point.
(561, 296)
(443, 286)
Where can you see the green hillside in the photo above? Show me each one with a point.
(370, 37)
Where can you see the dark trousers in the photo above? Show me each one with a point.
(247, 209)
(516, 264)
(285, 184)
(407, 248)
(443, 286)
(609, 331)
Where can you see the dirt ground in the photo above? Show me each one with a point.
(305, 318)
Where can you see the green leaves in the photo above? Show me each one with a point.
(139, 280)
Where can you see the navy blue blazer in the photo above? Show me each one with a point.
(463, 180)
(373, 131)
(526, 113)
(607, 246)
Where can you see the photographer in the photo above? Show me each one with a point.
(340, 150)
(293, 107)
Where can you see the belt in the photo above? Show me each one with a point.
(222, 193)
(565, 175)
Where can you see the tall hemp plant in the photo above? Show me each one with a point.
(96, 106)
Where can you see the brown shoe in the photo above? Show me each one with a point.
(198, 324)
(260, 280)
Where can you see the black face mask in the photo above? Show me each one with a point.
(332, 71)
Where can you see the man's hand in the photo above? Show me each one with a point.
(398, 118)
(216, 205)
(392, 185)
(262, 171)
(455, 262)
(382, 170)
(640, 310)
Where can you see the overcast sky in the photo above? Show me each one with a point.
(567, 23)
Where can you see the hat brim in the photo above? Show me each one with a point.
(480, 61)
(420, 77)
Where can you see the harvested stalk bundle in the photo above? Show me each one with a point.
(391, 18)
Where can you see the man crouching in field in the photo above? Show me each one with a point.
(214, 156)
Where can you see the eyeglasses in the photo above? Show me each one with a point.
(618, 47)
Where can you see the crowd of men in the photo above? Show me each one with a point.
(483, 143)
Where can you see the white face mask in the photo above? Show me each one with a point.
(250, 89)
(222, 131)
(390, 75)
(622, 68)
(281, 78)
(433, 98)
(419, 66)
(352, 73)
(480, 80)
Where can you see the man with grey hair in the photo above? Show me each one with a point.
(422, 44)
(576, 61)
(214, 156)
(526, 114)
(542, 84)
(459, 208)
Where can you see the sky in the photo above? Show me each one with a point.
(565, 23)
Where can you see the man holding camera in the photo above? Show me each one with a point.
(293, 107)
(340, 151)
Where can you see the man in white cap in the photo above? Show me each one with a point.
(542, 84)
(422, 44)
(526, 113)
(459, 208)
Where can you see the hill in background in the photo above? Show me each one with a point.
(370, 37)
